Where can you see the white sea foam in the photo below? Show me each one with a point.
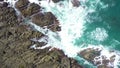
(72, 22)
(99, 34)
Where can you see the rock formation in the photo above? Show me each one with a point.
(15, 40)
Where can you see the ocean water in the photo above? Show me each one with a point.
(94, 24)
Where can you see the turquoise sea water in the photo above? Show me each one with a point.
(112, 17)
(107, 18)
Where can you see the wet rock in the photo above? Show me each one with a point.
(3, 4)
(55, 1)
(21, 4)
(89, 54)
(32, 9)
(27, 9)
(46, 19)
(76, 3)
(95, 57)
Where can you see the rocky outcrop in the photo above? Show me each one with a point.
(89, 54)
(47, 19)
(15, 42)
(33, 11)
(94, 56)
(26, 8)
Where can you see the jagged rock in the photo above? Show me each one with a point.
(21, 4)
(27, 9)
(46, 19)
(89, 54)
(94, 56)
(32, 9)
(76, 3)
(41, 19)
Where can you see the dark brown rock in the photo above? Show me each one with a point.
(27, 9)
(32, 9)
(76, 3)
(55, 1)
(21, 4)
(93, 55)
(89, 54)
(46, 19)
